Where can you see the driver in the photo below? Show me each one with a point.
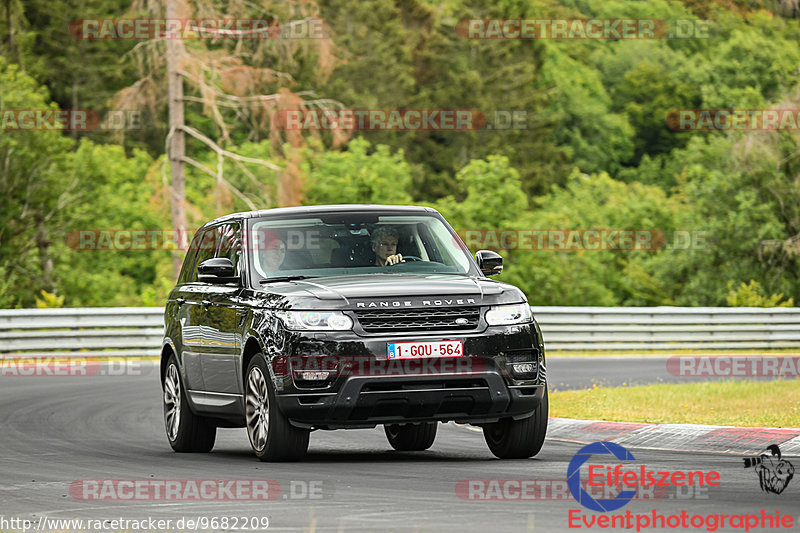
(384, 244)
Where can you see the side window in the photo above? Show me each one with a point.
(206, 248)
(230, 244)
(188, 261)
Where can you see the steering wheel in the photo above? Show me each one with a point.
(411, 258)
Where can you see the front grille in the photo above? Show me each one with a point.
(380, 320)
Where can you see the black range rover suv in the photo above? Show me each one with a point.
(290, 320)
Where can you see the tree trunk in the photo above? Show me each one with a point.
(175, 51)
(42, 240)
(74, 104)
(10, 23)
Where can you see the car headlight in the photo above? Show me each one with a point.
(506, 315)
(314, 320)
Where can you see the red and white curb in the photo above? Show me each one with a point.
(676, 437)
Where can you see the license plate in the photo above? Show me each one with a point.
(421, 350)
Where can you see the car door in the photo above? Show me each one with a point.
(191, 312)
(224, 319)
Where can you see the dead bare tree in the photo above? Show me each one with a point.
(226, 77)
(175, 140)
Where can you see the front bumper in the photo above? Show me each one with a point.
(476, 388)
(366, 402)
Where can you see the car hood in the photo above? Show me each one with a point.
(372, 291)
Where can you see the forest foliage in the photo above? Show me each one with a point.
(592, 148)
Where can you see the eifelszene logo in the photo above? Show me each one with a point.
(624, 476)
(574, 477)
(774, 473)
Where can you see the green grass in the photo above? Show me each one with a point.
(722, 403)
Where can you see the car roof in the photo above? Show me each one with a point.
(321, 209)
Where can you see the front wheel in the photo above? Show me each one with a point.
(518, 439)
(411, 437)
(186, 431)
(272, 437)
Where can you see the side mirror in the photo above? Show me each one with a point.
(490, 263)
(216, 270)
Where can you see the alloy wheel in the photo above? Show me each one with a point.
(172, 402)
(257, 409)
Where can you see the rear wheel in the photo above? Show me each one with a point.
(272, 437)
(186, 431)
(518, 439)
(411, 437)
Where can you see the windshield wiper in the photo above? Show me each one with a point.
(285, 278)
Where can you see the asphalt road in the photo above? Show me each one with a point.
(57, 431)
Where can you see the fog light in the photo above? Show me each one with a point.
(523, 368)
(313, 375)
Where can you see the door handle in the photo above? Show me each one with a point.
(179, 301)
(206, 304)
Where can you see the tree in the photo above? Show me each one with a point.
(489, 195)
(34, 192)
(752, 295)
(110, 269)
(583, 276)
(742, 191)
(228, 80)
(407, 55)
(355, 176)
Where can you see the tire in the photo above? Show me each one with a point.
(411, 437)
(186, 431)
(271, 435)
(518, 439)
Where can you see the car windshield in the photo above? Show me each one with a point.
(345, 244)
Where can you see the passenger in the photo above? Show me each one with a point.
(384, 244)
(272, 255)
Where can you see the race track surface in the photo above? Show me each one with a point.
(57, 431)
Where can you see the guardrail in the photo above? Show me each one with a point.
(668, 328)
(106, 331)
(137, 331)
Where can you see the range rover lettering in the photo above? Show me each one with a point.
(291, 320)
